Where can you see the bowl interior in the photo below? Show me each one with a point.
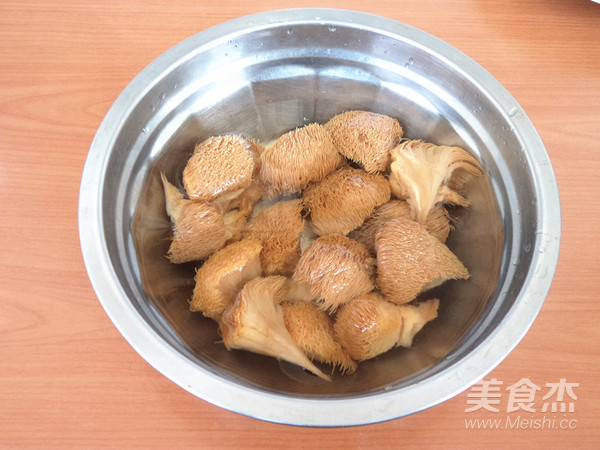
(269, 79)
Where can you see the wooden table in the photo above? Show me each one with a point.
(68, 378)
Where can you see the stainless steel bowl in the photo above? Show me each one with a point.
(260, 76)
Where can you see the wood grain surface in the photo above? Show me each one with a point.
(68, 378)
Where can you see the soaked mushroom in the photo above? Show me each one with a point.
(410, 260)
(219, 279)
(235, 223)
(221, 167)
(247, 199)
(198, 227)
(437, 223)
(369, 325)
(278, 227)
(365, 137)
(254, 322)
(426, 174)
(343, 200)
(312, 330)
(298, 158)
(327, 311)
(337, 269)
(298, 292)
(238, 209)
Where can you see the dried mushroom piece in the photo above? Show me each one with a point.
(220, 278)
(298, 292)
(298, 158)
(238, 210)
(370, 325)
(410, 260)
(337, 269)
(426, 174)
(365, 137)
(247, 199)
(342, 201)
(312, 330)
(235, 223)
(255, 322)
(437, 223)
(198, 227)
(278, 227)
(221, 166)
(415, 318)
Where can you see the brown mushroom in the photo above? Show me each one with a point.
(365, 137)
(312, 330)
(337, 269)
(298, 292)
(219, 279)
(221, 166)
(369, 325)
(426, 174)
(198, 227)
(254, 322)
(437, 224)
(235, 223)
(410, 260)
(247, 199)
(343, 200)
(278, 228)
(298, 158)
